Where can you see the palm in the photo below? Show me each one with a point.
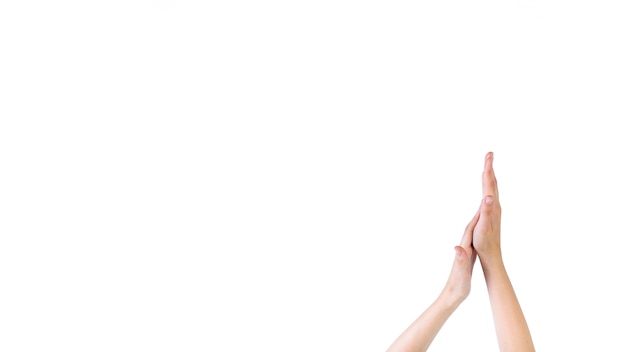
(460, 280)
(487, 231)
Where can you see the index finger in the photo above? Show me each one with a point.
(490, 184)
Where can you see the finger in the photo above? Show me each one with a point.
(473, 257)
(490, 184)
(461, 254)
(464, 258)
(466, 240)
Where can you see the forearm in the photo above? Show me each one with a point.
(511, 328)
(421, 333)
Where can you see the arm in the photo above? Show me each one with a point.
(421, 333)
(511, 328)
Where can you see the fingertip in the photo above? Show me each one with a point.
(488, 162)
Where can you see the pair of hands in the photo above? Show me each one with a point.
(481, 237)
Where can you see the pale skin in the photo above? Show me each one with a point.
(481, 238)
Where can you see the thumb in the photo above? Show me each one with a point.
(461, 255)
(487, 206)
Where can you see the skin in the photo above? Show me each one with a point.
(511, 327)
(482, 238)
(421, 333)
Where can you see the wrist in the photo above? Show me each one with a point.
(491, 259)
(450, 297)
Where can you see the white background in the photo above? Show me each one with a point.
(293, 176)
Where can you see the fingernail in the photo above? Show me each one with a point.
(489, 200)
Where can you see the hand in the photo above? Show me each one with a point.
(460, 279)
(486, 239)
(511, 327)
(420, 334)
